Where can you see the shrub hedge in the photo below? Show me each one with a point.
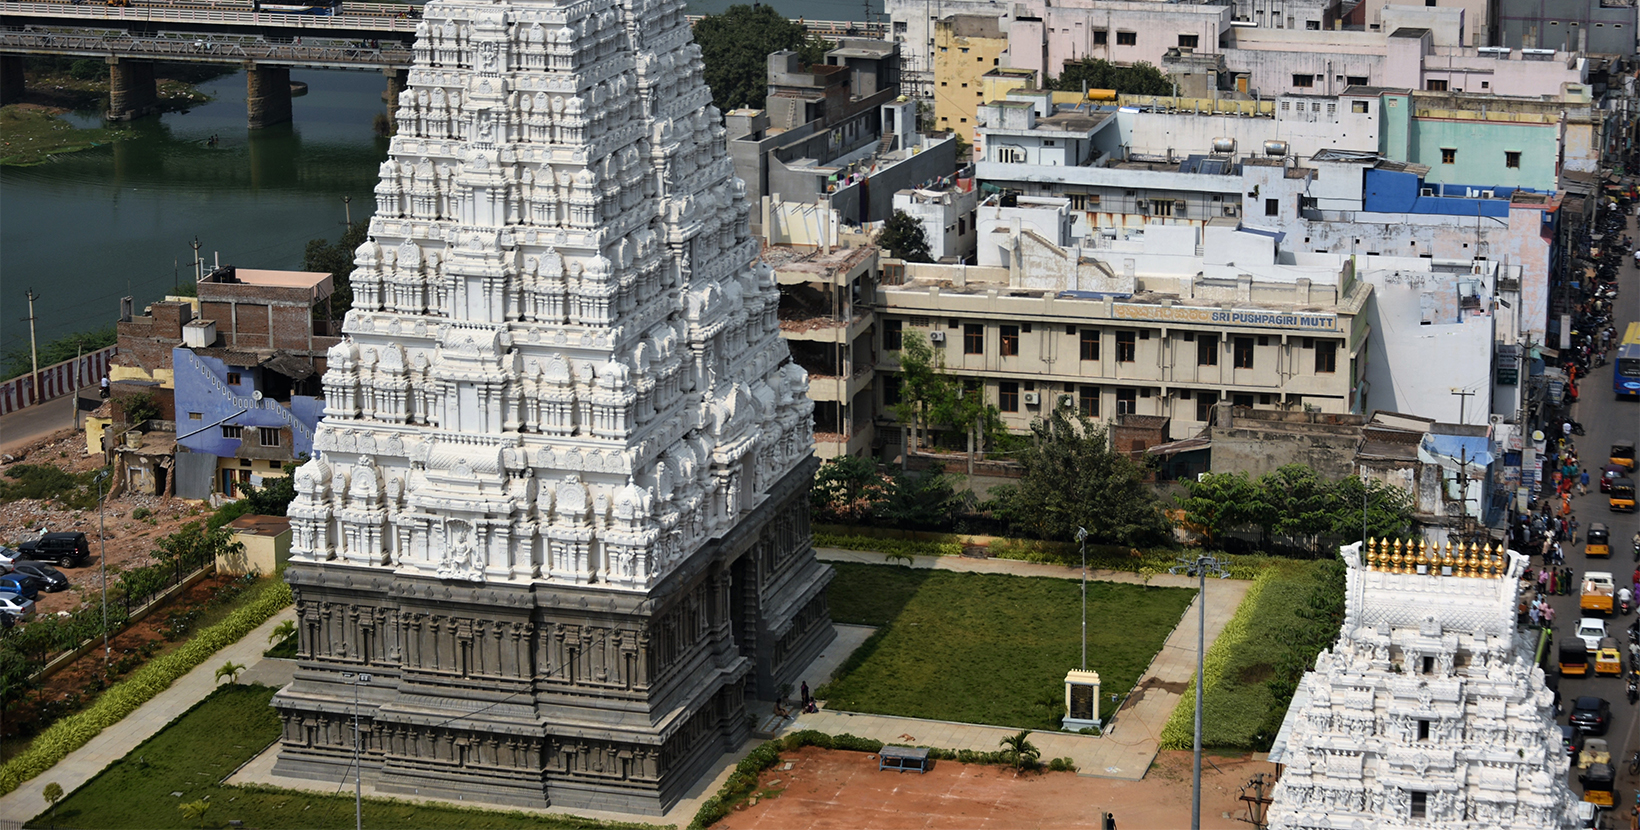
(1291, 612)
(1101, 557)
(123, 698)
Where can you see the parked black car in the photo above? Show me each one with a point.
(68, 550)
(1573, 738)
(1593, 715)
(52, 578)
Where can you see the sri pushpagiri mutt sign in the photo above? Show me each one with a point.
(1256, 317)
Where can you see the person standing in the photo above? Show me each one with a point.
(1583, 483)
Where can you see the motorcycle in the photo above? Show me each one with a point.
(1634, 691)
(1623, 607)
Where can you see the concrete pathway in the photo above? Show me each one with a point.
(81, 765)
(31, 423)
(1128, 745)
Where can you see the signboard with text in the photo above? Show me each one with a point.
(1255, 317)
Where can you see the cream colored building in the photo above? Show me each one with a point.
(827, 320)
(966, 47)
(1168, 325)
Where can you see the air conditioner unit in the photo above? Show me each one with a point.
(1033, 398)
(1426, 191)
(936, 337)
(1232, 210)
(1488, 194)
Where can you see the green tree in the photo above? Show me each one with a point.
(53, 793)
(336, 259)
(1388, 510)
(923, 500)
(1019, 751)
(282, 632)
(1072, 478)
(17, 669)
(902, 236)
(735, 48)
(19, 361)
(194, 544)
(138, 406)
(929, 397)
(1139, 79)
(1220, 502)
(846, 490)
(229, 670)
(1296, 506)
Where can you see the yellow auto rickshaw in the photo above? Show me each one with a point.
(1607, 659)
(1599, 540)
(1623, 454)
(1599, 782)
(1621, 495)
(1574, 657)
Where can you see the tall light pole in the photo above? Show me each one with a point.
(1082, 539)
(102, 563)
(1199, 566)
(358, 772)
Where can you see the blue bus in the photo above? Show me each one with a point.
(1626, 375)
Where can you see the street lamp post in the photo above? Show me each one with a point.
(1082, 539)
(102, 563)
(358, 772)
(1199, 566)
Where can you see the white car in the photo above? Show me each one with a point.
(16, 606)
(1591, 631)
(7, 556)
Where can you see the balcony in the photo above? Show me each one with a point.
(823, 387)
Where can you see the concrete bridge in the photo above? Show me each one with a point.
(131, 39)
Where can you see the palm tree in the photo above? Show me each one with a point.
(282, 632)
(230, 670)
(1020, 751)
(195, 811)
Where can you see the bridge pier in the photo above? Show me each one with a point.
(397, 80)
(11, 79)
(267, 95)
(131, 89)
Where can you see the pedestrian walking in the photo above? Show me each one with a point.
(1548, 615)
(1543, 581)
(1571, 528)
(1536, 614)
(1583, 483)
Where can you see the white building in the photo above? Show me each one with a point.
(558, 511)
(1428, 711)
(948, 217)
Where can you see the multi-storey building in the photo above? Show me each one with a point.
(966, 47)
(829, 323)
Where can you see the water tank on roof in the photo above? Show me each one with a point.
(1275, 148)
(1224, 145)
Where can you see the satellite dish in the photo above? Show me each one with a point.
(257, 395)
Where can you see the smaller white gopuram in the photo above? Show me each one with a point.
(1428, 712)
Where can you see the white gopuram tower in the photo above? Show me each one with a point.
(1428, 712)
(560, 509)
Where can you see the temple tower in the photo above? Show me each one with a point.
(1428, 712)
(560, 510)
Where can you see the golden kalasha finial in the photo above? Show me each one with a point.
(1474, 562)
(1423, 554)
(1395, 559)
(1369, 554)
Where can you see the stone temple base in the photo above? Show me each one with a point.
(538, 695)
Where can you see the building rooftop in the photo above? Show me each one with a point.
(319, 284)
(258, 525)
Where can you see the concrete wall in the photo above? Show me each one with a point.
(1401, 376)
(203, 390)
(265, 548)
(1416, 132)
(1477, 16)
(948, 217)
(803, 224)
(966, 47)
(1547, 24)
(1070, 31)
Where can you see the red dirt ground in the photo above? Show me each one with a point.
(828, 789)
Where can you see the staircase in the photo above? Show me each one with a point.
(886, 144)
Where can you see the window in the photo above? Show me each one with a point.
(196, 416)
(1312, 25)
(232, 431)
(1127, 38)
(891, 390)
(1010, 341)
(1358, 107)
(1420, 805)
(1090, 344)
(1207, 350)
(1449, 155)
(1511, 159)
(246, 462)
(1087, 400)
(1242, 400)
(1272, 207)
(1303, 81)
(1083, 201)
(1125, 346)
(1101, 37)
(1161, 207)
(1332, 109)
(892, 340)
(269, 436)
(1356, 80)
(1243, 353)
(1205, 401)
(1326, 357)
(233, 378)
(1435, 86)
(973, 339)
(1127, 400)
(1189, 41)
(1008, 396)
(1429, 668)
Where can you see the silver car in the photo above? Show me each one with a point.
(16, 606)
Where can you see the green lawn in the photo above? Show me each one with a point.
(990, 648)
(210, 741)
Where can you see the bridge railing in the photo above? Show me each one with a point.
(167, 14)
(334, 52)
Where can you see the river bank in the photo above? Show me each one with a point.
(33, 130)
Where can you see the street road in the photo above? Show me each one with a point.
(1605, 419)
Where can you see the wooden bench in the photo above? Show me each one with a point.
(903, 759)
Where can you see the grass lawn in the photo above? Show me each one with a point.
(989, 648)
(210, 741)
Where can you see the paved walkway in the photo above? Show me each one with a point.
(1125, 751)
(1128, 746)
(25, 802)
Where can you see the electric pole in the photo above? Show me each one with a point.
(33, 349)
(199, 275)
(1463, 400)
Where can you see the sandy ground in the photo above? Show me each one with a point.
(130, 541)
(824, 789)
